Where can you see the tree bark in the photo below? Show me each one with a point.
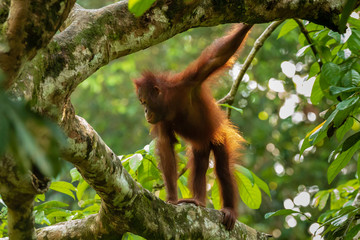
(28, 28)
(18, 190)
(45, 69)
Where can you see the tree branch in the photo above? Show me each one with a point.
(200, 225)
(308, 38)
(28, 28)
(18, 190)
(230, 97)
(126, 206)
(95, 37)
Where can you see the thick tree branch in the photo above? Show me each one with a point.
(27, 29)
(199, 226)
(87, 228)
(18, 190)
(95, 37)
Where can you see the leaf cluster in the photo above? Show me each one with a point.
(337, 83)
(50, 212)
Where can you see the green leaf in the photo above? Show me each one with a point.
(320, 132)
(139, 7)
(348, 8)
(92, 209)
(63, 187)
(350, 141)
(358, 169)
(344, 54)
(40, 218)
(348, 103)
(131, 236)
(75, 175)
(287, 27)
(84, 203)
(333, 154)
(330, 75)
(246, 172)
(50, 204)
(350, 235)
(215, 195)
(321, 35)
(182, 185)
(254, 179)
(354, 22)
(349, 209)
(337, 117)
(282, 212)
(316, 92)
(302, 51)
(262, 185)
(325, 216)
(340, 133)
(340, 221)
(323, 200)
(152, 167)
(344, 109)
(354, 41)
(179, 148)
(314, 69)
(152, 147)
(40, 197)
(341, 161)
(336, 201)
(335, 36)
(135, 161)
(305, 144)
(250, 194)
(338, 90)
(350, 79)
(30, 145)
(61, 213)
(355, 80)
(81, 187)
(325, 53)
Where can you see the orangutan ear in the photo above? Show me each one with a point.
(157, 91)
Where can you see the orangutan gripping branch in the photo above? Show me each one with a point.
(181, 104)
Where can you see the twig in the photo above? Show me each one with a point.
(355, 119)
(230, 97)
(308, 39)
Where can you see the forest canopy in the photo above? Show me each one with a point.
(77, 160)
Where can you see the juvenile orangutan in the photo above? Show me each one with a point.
(182, 104)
